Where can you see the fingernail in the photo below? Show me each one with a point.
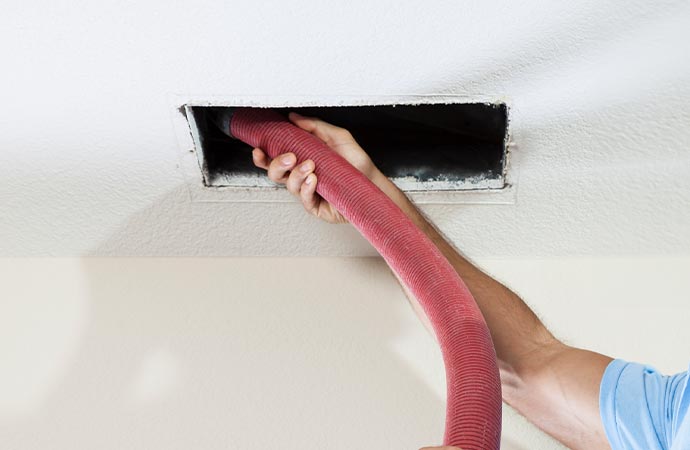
(309, 180)
(287, 160)
(306, 167)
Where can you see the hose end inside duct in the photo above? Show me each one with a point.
(222, 117)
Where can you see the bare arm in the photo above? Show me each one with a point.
(554, 385)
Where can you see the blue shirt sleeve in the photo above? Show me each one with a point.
(644, 410)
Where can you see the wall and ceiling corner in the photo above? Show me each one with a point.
(96, 159)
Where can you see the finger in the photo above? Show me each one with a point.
(332, 135)
(298, 175)
(260, 159)
(310, 199)
(280, 167)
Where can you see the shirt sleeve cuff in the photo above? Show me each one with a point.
(607, 400)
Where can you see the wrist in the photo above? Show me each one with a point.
(376, 176)
(369, 169)
(388, 187)
(392, 191)
(401, 200)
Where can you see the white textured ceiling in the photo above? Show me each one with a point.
(90, 157)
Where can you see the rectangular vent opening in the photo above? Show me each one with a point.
(427, 147)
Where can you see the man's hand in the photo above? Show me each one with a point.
(301, 180)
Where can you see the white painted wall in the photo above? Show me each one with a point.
(248, 353)
(89, 157)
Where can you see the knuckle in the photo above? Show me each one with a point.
(295, 182)
(292, 186)
(306, 167)
(342, 133)
(276, 175)
(307, 198)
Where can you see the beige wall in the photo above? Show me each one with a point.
(289, 353)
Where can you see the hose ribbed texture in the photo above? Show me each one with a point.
(473, 412)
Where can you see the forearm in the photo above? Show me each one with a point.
(555, 386)
(516, 331)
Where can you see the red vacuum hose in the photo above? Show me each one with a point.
(473, 412)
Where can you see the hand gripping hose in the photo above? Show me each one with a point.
(473, 411)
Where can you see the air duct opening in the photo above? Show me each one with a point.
(425, 147)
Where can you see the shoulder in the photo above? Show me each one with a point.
(642, 408)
